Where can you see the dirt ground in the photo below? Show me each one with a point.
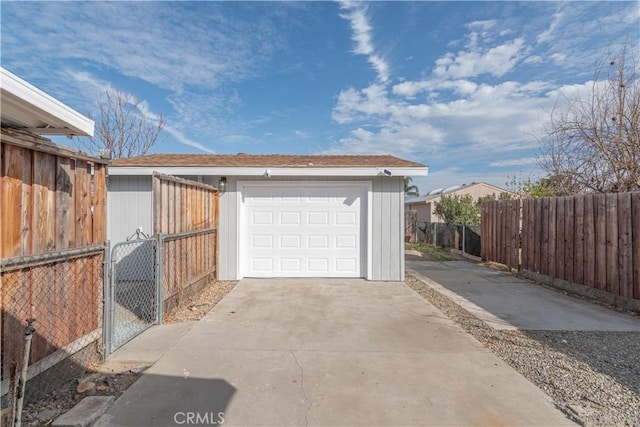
(201, 303)
(97, 381)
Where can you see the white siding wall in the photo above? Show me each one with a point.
(388, 229)
(387, 226)
(129, 206)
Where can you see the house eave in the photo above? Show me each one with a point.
(267, 171)
(25, 107)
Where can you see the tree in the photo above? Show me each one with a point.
(125, 128)
(492, 197)
(458, 210)
(409, 188)
(544, 187)
(594, 144)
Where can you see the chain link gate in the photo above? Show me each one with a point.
(133, 295)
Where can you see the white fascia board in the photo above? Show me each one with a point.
(262, 171)
(46, 108)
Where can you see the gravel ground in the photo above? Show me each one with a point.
(593, 377)
(44, 411)
(201, 303)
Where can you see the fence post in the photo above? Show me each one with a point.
(106, 301)
(159, 271)
(464, 226)
(435, 234)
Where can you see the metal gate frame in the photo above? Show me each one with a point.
(111, 288)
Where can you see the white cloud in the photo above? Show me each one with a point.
(404, 141)
(514, 162)
(481, 25)
(301, 134)
(549, 34)
(183, 139)
(356, 14)
(558, 57)
(192, 66)
(410, 89)
(496, 61)
(212, 49)
(354, 105)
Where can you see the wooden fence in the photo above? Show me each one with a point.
(51, 198)
(591, 240)
(500, 231)
(52, 222)
(186, 215)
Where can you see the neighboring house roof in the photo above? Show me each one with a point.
(274, 164)
(25, 107)
(439, 192)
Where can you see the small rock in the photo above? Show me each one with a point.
(89, 378)
(578, 410)
(85, 387)
(138, 369)
(102, 387)
(46, 415)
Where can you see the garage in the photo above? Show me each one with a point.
(282, 215)
(307, 229)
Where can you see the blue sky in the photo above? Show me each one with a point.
(464, 87)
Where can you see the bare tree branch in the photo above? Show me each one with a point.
(594, 144)
(125, 128)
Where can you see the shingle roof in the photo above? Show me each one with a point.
(265, 160)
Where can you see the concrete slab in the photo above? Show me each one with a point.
(85, 413)
(330, 352)
(149, 346)
(506, 302)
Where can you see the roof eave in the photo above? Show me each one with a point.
(55, 117)
(270, 171)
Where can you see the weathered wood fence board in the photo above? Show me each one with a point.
(186, 214)
(46, 200)
(592, 240)
(503, 227)
(181, 205)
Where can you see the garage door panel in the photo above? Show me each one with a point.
(291, 265)
(318, 218)
(346, 241)
(290, 218)
(262, 241)
(306, 231)
(262, 218)
(346, 218)
(316, 241)
(318, 265)
(262, 264)
(290, 241)
(346, 265)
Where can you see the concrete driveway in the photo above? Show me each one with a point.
(329, 352)
(504, 301)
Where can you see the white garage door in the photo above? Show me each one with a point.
(303, 230)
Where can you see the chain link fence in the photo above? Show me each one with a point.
(461, 237)
(63, 292)
(132, 293)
